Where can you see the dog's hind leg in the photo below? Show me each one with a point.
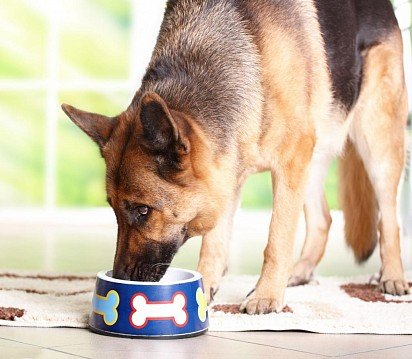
(378, 134)
(318, 221)
(213, 261)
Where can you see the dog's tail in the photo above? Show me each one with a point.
(359, 205)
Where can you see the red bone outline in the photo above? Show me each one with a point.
(134, 310)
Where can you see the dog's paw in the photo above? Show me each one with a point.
(375, 278)
(392, 280)
(210, 292)
(394, 286)
(255, 304)
(211, 287)
(211, 280)
(302, 274)
(294, 281)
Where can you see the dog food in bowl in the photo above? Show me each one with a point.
(172, 308)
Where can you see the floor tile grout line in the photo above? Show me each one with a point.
(269, 346)
(39, 346)
(67, 345)
(63, 352)
(375, 350)
(16, 341)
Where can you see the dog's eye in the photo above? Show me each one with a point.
(137, 210)
(142, 210)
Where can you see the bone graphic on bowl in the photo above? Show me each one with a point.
(202, 304)
(144, 310)
(107, 306)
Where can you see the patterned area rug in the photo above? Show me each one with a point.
(335, 305)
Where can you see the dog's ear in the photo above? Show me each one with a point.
(98, 127)
(163, 130)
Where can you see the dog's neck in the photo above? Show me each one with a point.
(210, 72)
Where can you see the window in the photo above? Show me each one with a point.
(74, 51)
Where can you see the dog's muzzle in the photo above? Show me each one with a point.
(149, 265)
(142, 272)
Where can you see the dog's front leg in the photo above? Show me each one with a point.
(214, 252)
(289, 181)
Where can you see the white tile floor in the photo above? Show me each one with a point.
(91, 248)
(68, 343)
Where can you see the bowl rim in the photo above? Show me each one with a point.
(195, 277)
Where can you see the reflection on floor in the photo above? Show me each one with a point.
(85, 242)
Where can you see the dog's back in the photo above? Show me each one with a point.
(216, 49)
(350, 27)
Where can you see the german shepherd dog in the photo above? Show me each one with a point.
(236, 87)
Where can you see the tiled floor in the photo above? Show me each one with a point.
(89, 247)
(68, 343)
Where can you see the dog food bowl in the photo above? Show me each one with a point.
(175, 307)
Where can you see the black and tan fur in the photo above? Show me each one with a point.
(236, 87)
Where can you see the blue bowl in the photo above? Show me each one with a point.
(175, 307)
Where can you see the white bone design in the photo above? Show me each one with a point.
(143, 310)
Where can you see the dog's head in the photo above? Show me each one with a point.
(157, 182)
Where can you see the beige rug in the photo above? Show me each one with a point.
(335, 305)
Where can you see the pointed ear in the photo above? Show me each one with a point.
(163, 129)
(98, 127)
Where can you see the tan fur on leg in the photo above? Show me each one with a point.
(378, 133)
(289, 182)
(318, 221)
(214, 252)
